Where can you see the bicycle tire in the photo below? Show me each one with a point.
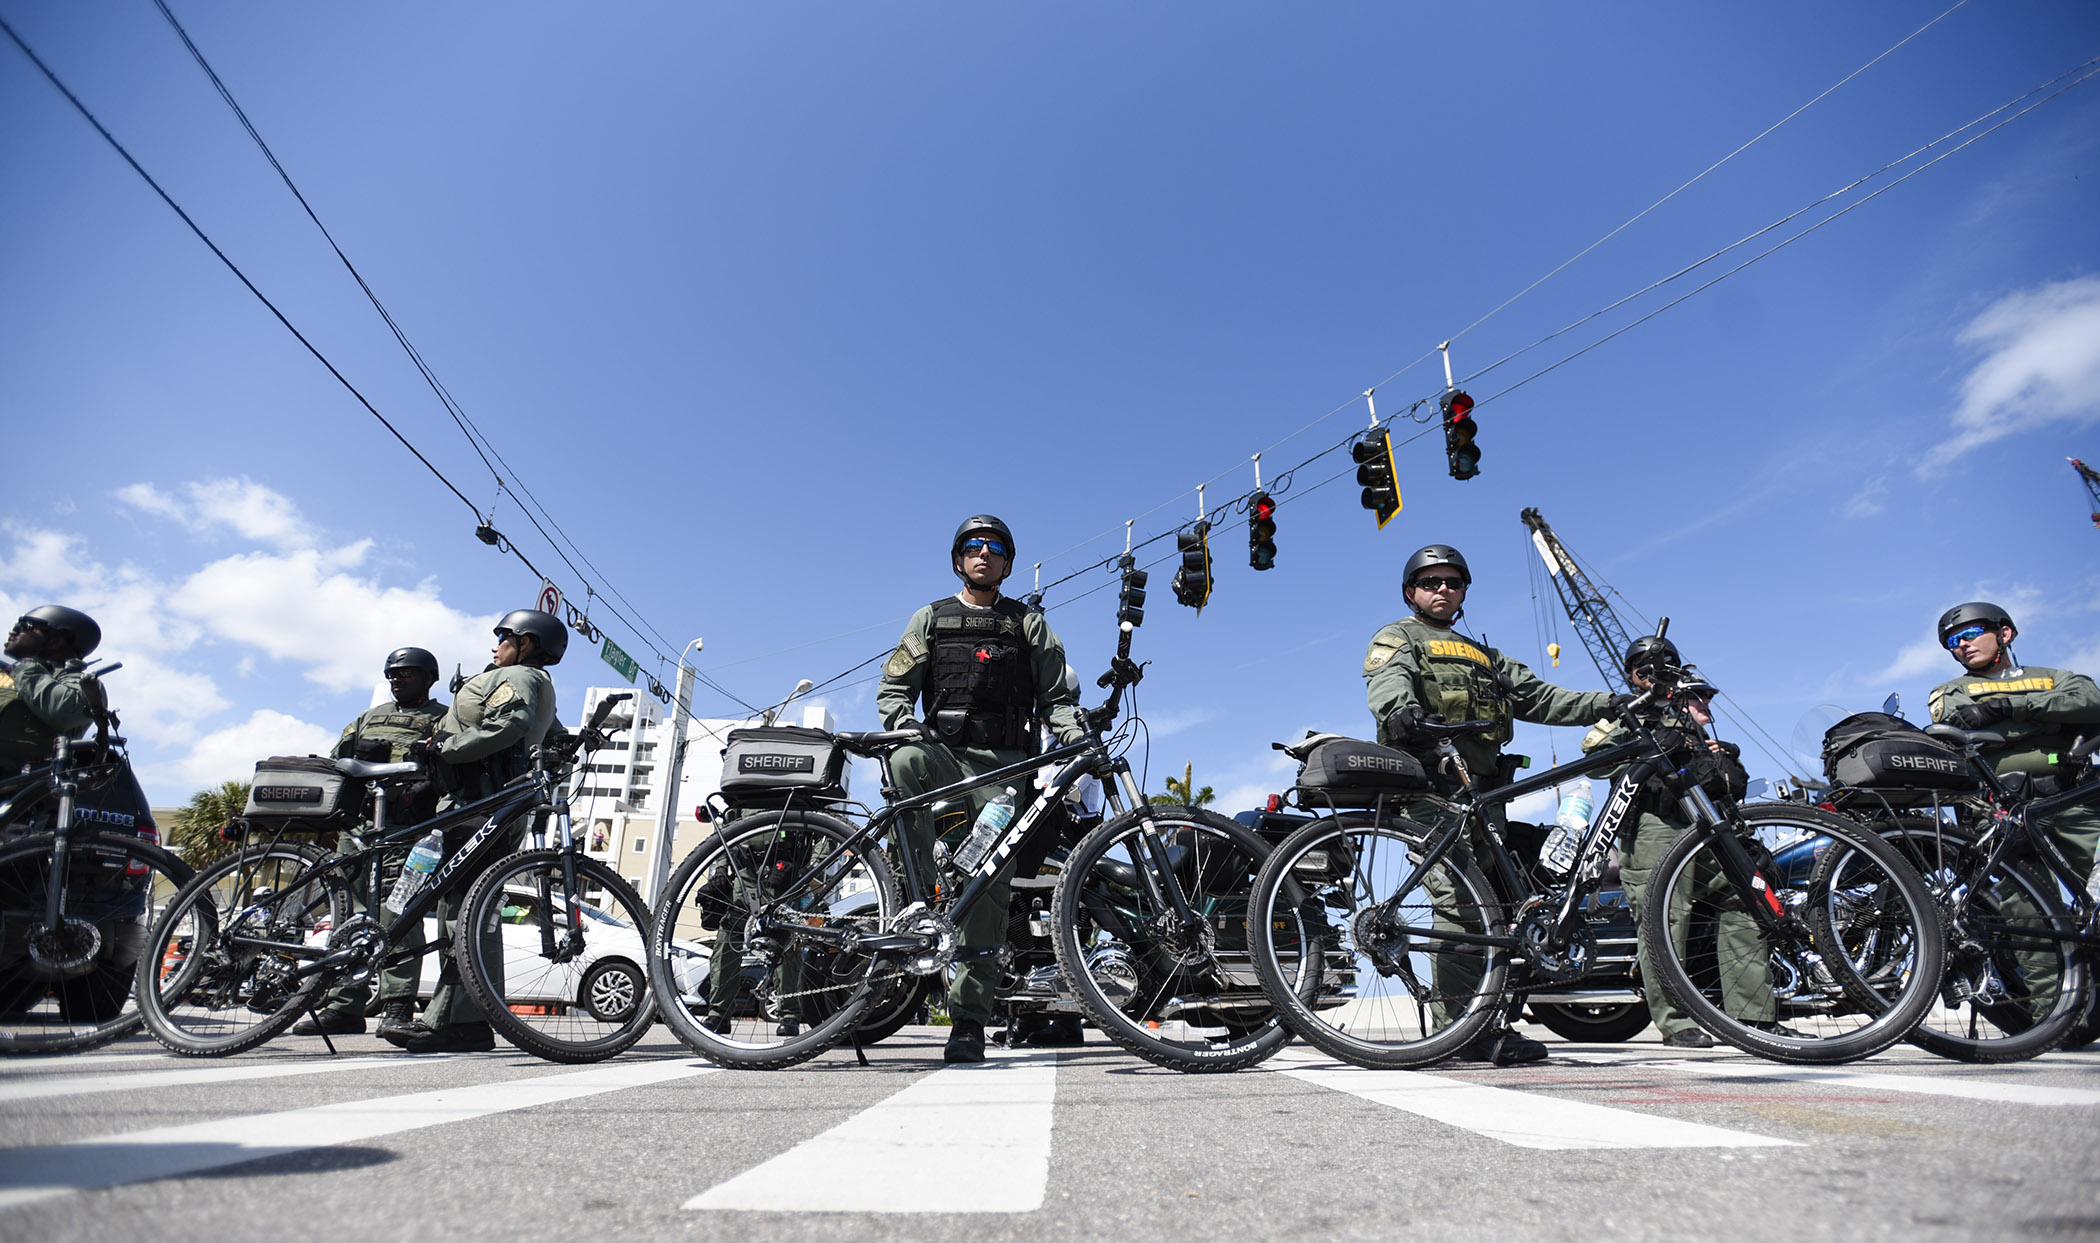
(200, 989)
(1981, 1015)
(828, 988)
(1186, 1001)
(535, 1001)
(1347, 869)
(112, 879)
(1818, 1019)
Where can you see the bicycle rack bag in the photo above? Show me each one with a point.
(780, 759)
(1350, 773)
(302, 794)
(1874, 751)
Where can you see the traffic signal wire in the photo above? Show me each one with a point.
(2082, 73)
(1701, 174)
(483, 447)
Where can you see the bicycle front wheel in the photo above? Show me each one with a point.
(1368, 965)
(68, 988)
(557, 967)
(1846, 962)
(751, 946)
(2012, 991)
(226, 964)
(1180, 993)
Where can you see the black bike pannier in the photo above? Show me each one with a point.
(1349, 773)
(1875, 751)
(779, 759)
(302, 794)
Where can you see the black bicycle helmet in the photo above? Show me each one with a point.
(545, 628)
(1648, 651)
(412, 658)
(74, 624)
(1430, 555)
(982, 522)
(1973, 613)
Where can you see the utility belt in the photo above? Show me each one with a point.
(977, 728)
(479, 778)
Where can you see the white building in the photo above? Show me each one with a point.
(620, 797)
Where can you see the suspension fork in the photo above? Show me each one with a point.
(1161, 885)
(1750, 885)
(62, 846)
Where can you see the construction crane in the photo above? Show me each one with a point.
(2091, 479)
(1585, 605)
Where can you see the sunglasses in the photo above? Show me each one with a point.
(1434, 582)
(1965, 634)
(33, 623)
(991, 546)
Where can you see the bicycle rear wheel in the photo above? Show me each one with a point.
(2010, 992)
(557, 969)
(1183, 997)
(68, 988)
(222, 971)
(748, 947)
(1363, 964)
(1854, 957)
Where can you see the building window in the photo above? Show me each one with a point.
(641, 844)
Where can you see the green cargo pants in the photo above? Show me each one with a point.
(1746, 983)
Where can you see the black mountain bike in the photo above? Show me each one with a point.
(2019, 978)
(81, 875)
(827, 929)
(1445, 945)
(258, 939)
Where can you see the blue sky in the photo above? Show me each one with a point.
(760, 300)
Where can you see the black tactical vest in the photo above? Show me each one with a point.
(980, 691)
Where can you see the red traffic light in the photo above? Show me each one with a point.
(1264, 507)
(1458, 405)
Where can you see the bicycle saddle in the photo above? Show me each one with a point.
(1966, 737)
(365, 771)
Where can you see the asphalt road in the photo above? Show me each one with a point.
(1599, 1143)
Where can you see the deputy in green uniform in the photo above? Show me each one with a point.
(974, 673)
(383, 735)
(41, 698)
(1422, 667)
(2039, 712)
(1746, 992)
(486, 738)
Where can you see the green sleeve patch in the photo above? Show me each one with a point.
(1380, 653)
(907, 656)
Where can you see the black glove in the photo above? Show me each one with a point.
(916, 726)
(1620, 705)
(424, 751)
(1982, 714)
(1401, 723)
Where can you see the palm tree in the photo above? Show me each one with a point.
(1185, 791)
(194, 832)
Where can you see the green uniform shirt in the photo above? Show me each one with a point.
(38, 704)
(2050, 707)
(1444, 672)
(392, 724)
(904, 674)
(496, 710)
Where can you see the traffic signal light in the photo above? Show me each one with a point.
(1459, 431)
(1374, 470)
(1261, 531)
(1192, 581)
(1131, 603)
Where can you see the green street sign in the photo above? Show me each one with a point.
(619, 660)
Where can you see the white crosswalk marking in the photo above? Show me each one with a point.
(968, 1139)
(191, 1076)
(74, 1063)
(1523, 1119)
(28, 1174)
(1967, 1089)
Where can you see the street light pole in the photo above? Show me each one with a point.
(673, 757)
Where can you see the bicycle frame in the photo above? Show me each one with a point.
(2021, 816)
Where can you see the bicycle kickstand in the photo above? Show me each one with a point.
(313, 1012)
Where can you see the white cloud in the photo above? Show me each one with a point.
(230, 754)
(245, 507)
(2042, 366)
(1925, 656)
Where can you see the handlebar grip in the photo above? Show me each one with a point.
(605, 707)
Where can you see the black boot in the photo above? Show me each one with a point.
(965, 1042)
(332, 1023)
(397, 1021)
(453, 1038)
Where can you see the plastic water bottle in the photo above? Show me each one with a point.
(2092, 883)
(422, 861)
(991, 822)
(1558, 854)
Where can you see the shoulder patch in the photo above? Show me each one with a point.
(899, 663)
(503, 694)
(7, 680)
(1379, 654)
